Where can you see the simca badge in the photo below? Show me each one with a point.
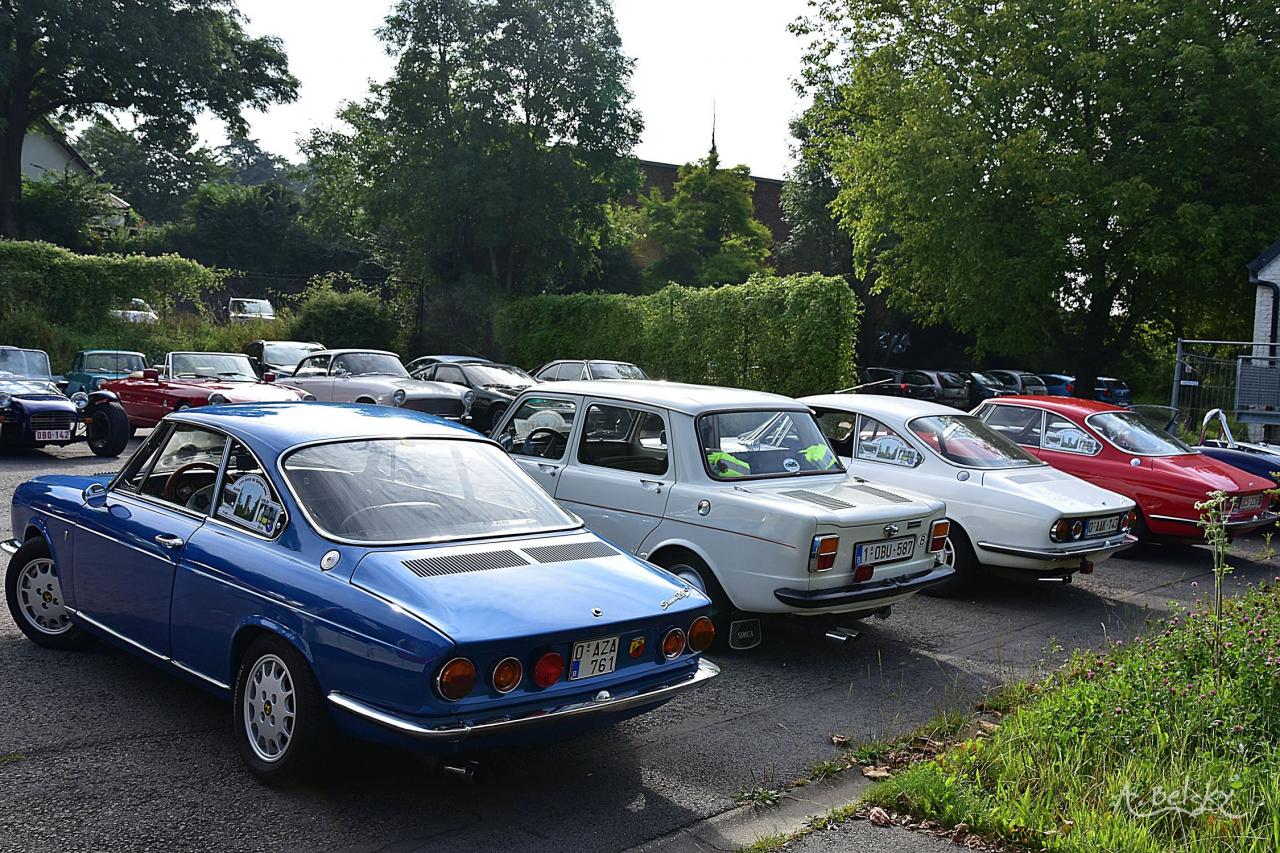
(890, 530)
(597, 612)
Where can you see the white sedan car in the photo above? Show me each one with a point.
(737, 492)
(1008, 509)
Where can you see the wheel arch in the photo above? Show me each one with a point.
(258, 626)
(673, 547)
(367, 400)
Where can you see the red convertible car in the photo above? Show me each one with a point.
(190, 379)
(1116, 449)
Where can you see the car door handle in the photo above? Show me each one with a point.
(548, 469)
(652, 485)
(167, 541)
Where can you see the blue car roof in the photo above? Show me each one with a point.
(275, 427)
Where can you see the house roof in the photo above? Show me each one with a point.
(1259, 263)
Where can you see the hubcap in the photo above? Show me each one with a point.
(689, 576)
(269, 712)
(40, 597)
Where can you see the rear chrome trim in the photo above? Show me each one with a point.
(1086, 548)
(457, 732)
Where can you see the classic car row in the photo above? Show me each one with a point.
(964, 389)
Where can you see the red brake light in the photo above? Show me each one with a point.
(863, 573)
(548, 669)
(902, 386)
(938, 534)
(673, 643)
(702, 633)
(456, 680)
(822, 553)
(1071, 388)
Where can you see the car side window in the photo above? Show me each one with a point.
(186, 468)
(247, 498)
(449, 373)
(878, 443)
(569, 371)
(540, 427)
(75, 364)
(838, 428)
(625, 439)
(1062, 435)
(1017, 423)
(135, 470)
(914, 377)
(314, 366)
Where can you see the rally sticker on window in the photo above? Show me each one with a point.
(791, 465)
(248, 501)
(888, 448)
(1071, 441)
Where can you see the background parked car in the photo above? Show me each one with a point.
(560, 371)
(1058, 384)
(137, 312)
(1019, 381)
(897, 382)
(950, 388)
(250, 310)
(427, 360)
(34, 413)
(1113, 391)
(91, 368)
(279, 357)
(495, 386)
(982, 386)
(376, 376)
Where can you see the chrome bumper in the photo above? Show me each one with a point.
(866, 592)
(1112, 544)
(9, 547)
(461, 731)
(1257, 521)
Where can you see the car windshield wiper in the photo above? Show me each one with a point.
(194, 376)
(235, 374)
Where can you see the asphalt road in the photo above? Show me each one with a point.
(100, 751)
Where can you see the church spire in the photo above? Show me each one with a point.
(713, 156)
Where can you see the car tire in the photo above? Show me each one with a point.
(109, 431)
(280, 721)
(34, 594)
(959, 553)
(693, 570)
(496, 414)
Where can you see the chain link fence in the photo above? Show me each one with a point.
(1242, 378)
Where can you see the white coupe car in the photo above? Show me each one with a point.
(737, 492)
(1008, 509)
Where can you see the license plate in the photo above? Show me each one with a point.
(53, 435)
(888, 551)
(593, 657)
(1249, 503)
(1102, 526)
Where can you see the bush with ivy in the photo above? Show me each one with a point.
(350, 318)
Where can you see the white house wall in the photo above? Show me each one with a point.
(42, 155)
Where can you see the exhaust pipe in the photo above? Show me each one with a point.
(464, 770)
(842, 635)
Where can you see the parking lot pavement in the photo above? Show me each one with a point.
(99, 750)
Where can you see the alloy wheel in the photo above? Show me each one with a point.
(270, 708)
(40, 597)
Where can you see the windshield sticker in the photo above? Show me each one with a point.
(1071, 441)
(248, 502)
(791, 465)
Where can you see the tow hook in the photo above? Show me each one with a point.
(1086, 568)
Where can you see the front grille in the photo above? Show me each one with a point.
(445, 407)
(453, 564)
(51, 420)
(881, 493)
(570, 551)
(821, 500)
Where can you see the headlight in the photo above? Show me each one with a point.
(399, 397)
(216, 399)
(81, 399)
(5, 400)
(468, 398)
(98, 383)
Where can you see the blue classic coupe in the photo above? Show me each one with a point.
(364, 569)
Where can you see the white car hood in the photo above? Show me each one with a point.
(1053, 488)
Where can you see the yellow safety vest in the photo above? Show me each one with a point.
(733, 467)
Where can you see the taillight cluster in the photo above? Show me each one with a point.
(457, 678)
(1067, 530)
(822, 553)
(938, 534)
(1128, 521)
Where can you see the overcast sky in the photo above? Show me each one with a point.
(690, 54)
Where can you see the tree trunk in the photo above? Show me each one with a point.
(15, 105)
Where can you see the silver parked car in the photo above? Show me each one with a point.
(375, 376)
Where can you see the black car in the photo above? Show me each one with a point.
(574, 369)
(898, 382)
(278, 357)
(950, 388)
(35, 414)
(495, 386)
(982, 386)
(1019, 381)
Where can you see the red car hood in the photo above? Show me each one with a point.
(1215, 475)
(243, 392)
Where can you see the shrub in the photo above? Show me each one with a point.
(791, 335)
(351, 319)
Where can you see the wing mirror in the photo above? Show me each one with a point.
(1135, 462)
(95, 495)
(268, 377)
(151, 374)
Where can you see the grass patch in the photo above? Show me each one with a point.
(10, 757)
(758, 796)
(1138, 749)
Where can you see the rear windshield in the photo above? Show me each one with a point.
(394, 490)
(1130, 433)
(1028, 379)
(765, 444)
(965, 440)
(950, 380)
(615, 370)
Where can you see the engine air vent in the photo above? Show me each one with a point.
(452, 564)
(821, 500)
(881, 493)
(570, 551)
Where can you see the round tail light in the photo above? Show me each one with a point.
(506, 675)
(1129, 520)
(673, 643)
(1061, 530)
(1077, 529)
(702, 633)
(548, 669)
(456, 680)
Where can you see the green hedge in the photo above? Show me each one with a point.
(793, 335)
(77, 290)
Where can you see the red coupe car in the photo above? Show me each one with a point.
(1116, 449)
(191, 379)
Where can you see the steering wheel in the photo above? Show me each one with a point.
(551, 437)
(202, 499)
(170, 492)
(343, 524)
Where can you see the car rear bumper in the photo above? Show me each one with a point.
(454, 733)
(870, 593)
(1174, 526)
(1082, 551)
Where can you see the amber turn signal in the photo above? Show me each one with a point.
(938, 534)
(673, 643)
(548, 669)
(456, 680)
(702, 633)
(506, 675)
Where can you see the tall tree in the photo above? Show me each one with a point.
(248, 164)
(489, 156)
(156, 178)
(707, 230)
(162, 60)
(1052, 174)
